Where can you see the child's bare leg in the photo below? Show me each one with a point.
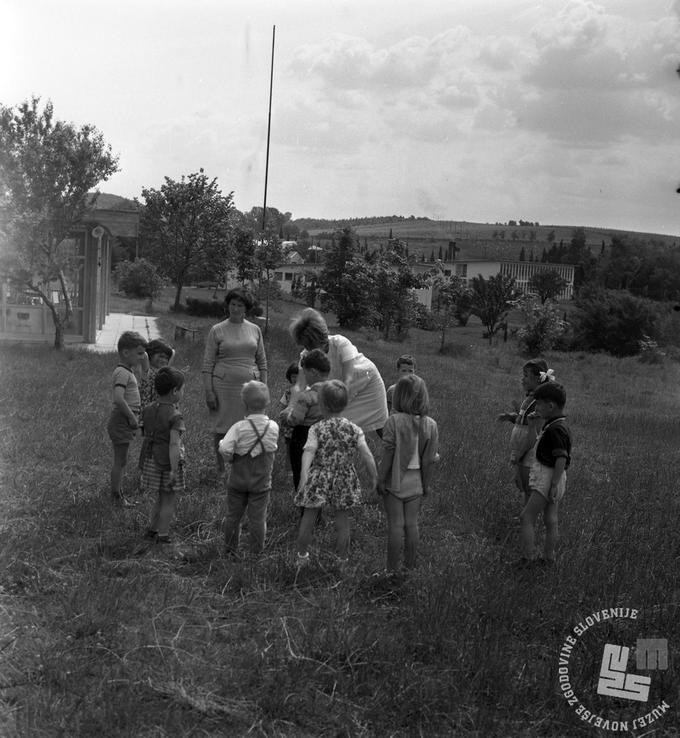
(527, 520)
(411, 532)
(523, 481)
(120, 454)
(551, 530)
(342, 533)
(394, 508)
(306, 529)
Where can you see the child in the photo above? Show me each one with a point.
(548, 478)
(286, 431)
(249, 447)
(411, 439)
(406, 364)
(525, 428)
(328, 473)
(158, 354)
(123, 421)
(304, 411)
(162, 457)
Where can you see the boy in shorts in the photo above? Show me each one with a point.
(124, 418)
(548, 477)
(249, 448)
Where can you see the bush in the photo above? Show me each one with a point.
(424, 319)
(543, 326)
(650, 353)
(206, 308)
(139, 278)
(613, 321)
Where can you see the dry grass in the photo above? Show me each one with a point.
(102, 635)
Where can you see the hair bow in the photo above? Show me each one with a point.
(548, 376)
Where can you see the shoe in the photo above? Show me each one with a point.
(151, 534)
(302, 560)
(163, 539)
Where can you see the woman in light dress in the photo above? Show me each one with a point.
(234, 354)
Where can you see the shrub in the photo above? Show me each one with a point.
(542, 328)
(139, 278)
(424, 319)
(613, 321)
(206, 308)
(650, 353)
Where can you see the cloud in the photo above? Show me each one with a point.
(596, 78)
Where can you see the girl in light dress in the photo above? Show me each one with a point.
(411, 440)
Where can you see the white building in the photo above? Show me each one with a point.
(522, 271)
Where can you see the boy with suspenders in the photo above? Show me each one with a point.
(249, 448)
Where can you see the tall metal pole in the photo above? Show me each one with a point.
(269, 129)
(266, 175)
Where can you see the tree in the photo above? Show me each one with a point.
(269, 255)
(452, 299)
(243, 242)
(547, 284)
(186, 228)
(392, 295)
(331, 279)
(47, 168)
(492, 299)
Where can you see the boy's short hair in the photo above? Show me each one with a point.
(333, 395)
(411, 396)
(168, 379)
(552, 392)
(156, 346)
(406, 360)
(130, 340)
(255, 395)
(316, 359)
(293, 368)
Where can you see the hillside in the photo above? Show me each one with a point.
(474, 240)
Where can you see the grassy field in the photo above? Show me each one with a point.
(101, 635)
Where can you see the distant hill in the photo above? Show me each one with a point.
(473, 240)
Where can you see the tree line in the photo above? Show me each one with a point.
(190, 230)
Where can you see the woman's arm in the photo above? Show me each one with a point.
(261, 357)
(209, 361)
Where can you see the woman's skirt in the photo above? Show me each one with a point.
(369, 408)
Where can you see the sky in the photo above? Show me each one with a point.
(560, 112)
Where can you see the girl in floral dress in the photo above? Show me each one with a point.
(328, 475)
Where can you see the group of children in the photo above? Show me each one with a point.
(323, 449)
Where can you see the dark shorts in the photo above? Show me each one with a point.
(119, 429)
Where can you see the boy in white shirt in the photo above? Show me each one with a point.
(249, 448)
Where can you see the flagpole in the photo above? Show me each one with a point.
(269, 129)
(266, 175)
